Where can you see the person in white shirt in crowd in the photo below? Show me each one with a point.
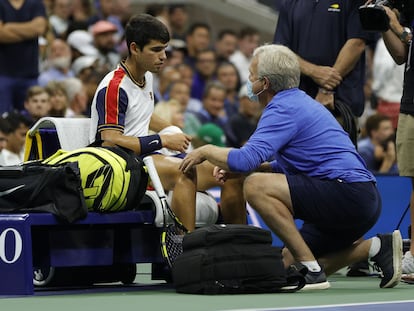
(59, 20)
(248, 40)
(387, 85)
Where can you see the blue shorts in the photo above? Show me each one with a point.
(335, 213)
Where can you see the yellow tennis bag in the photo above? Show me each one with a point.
(113, 179)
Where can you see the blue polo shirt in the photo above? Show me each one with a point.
(301, 136)
(21, 59)
(316, 30)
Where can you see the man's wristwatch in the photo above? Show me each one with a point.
(406, 36)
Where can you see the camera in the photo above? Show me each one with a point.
(374, 18)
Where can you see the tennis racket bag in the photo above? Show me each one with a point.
(33, 187)
(113, 179)
(232, 259)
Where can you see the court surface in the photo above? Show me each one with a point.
(345, 294)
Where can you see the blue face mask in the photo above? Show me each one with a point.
(252, 96)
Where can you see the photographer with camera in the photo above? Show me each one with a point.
(398, 40)
(378, 148)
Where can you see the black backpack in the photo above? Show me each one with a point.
(232, 259)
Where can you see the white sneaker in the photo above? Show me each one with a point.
(408, 263)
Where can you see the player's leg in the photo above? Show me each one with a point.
(182, 185)
(232, 202)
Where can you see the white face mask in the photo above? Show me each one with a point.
(252, 96)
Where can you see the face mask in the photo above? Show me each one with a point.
(252, 96)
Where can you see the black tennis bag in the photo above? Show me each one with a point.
(232, 259)
(34, 187)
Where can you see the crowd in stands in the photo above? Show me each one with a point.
(202, 82)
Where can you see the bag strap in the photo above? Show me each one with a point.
(131, 159)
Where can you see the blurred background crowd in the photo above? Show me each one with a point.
(54, 53)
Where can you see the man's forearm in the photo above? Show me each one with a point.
(397, 49)
(349, 55)
(216, 155)
(28, 30)
(9, 36)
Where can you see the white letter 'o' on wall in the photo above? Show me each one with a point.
(17, 249)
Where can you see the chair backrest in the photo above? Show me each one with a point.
(50, 134)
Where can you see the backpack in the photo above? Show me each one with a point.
(232, 259)
(113, 179)
(34, 187)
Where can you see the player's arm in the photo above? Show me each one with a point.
(146, 144)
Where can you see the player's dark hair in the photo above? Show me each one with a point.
(142, 28)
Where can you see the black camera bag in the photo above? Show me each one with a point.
(232, 259)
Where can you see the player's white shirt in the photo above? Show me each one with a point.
(122, 105)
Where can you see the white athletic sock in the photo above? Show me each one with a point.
(375, 247)
(312, 266)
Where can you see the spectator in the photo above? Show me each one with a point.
(83, 66)
(209, 133)
(225, 45)
(19, 35)
(166, 76)
(242, 124)
(58, 98)
(81, 11)
(378, 149)
(388, 78)
(105, 42)
(77, 98)
(187, 73)
(59, 20)
(171, 111)
(228, 75)
(178, 20)
(248, 40)
(180, 91)
(81, 43)
(13, 153)
(107, 10)
(4, 131)
(205, 69)
(330, 50)
(198, 39)
(58, 63)
(213, 105)
(37, 104)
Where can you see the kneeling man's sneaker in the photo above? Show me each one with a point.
(389, 259)
(316, 280)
